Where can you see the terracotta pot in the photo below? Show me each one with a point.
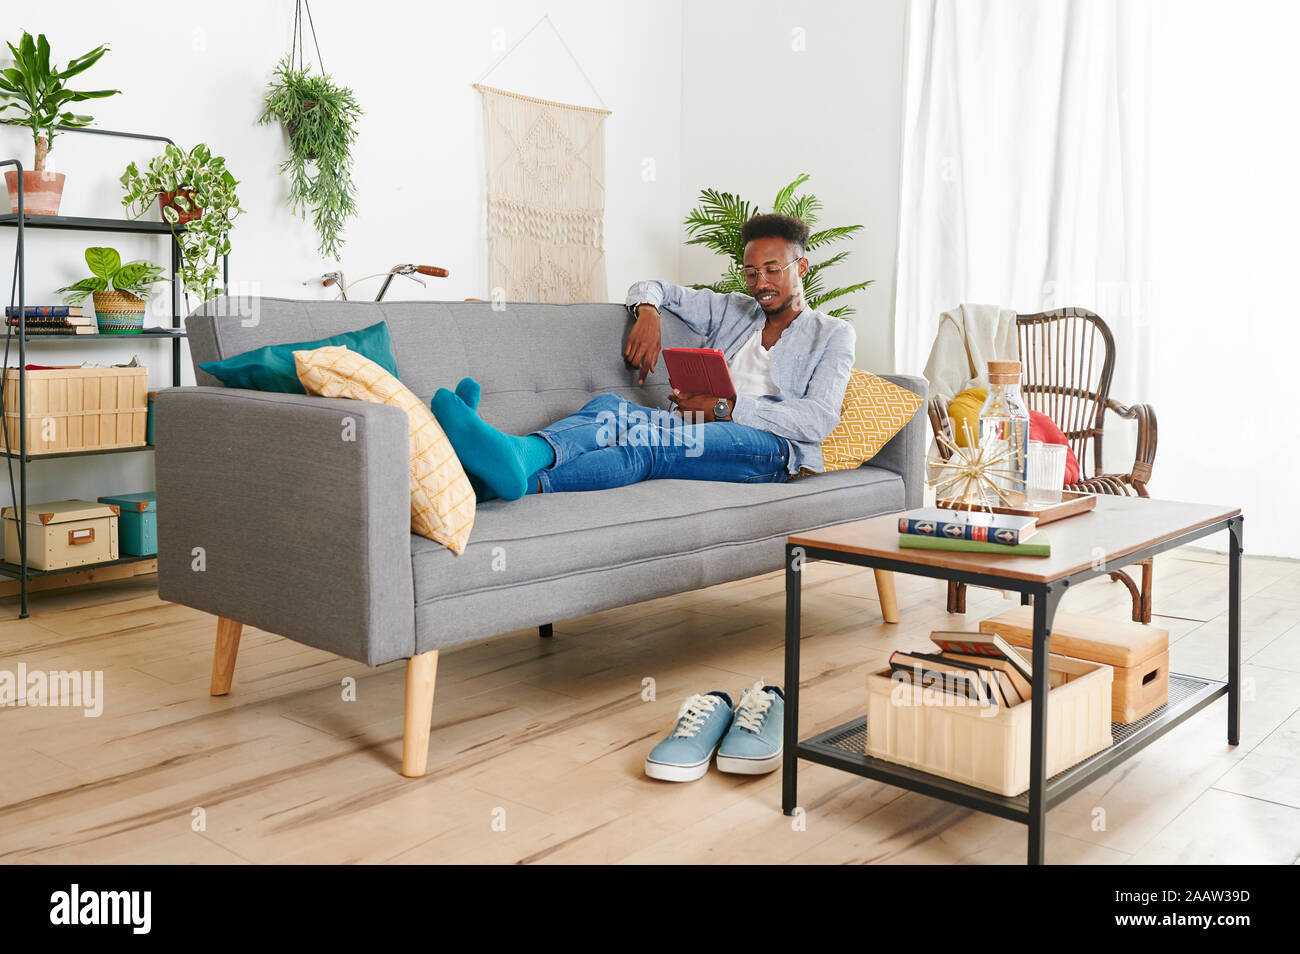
(165, 199)
(42, 192)
(119, 313)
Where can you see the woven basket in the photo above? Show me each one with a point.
(119, 313)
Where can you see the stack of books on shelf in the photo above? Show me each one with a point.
(974, 531)
(981, 667)
(53, 320)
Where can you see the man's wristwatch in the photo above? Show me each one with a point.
(722, 410)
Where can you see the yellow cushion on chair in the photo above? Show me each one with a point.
(965, 409)
(874, 411)
(442, 500)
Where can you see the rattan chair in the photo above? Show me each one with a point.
(1068, 358)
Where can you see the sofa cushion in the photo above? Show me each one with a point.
(271, 368)
(549, 536)
(874, 411)
(442, 500)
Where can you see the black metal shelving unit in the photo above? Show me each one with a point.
(21, 221)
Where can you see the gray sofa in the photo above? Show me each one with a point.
(290, 513)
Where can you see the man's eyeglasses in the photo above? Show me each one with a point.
(771, 272)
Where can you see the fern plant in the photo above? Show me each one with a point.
(320, 118)
(717, 221)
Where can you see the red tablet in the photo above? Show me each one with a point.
(699, 371)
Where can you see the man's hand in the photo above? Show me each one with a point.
(694, 407)
(643, 344)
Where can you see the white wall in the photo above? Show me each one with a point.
(196, 73)
(757, 111)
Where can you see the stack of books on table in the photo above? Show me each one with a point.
(53, 320)
(974, 531)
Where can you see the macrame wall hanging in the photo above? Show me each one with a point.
(545, 193)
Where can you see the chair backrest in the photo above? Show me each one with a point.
(1068, 356)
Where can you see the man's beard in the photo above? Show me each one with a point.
(777, 306)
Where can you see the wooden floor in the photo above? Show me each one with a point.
(538, 745)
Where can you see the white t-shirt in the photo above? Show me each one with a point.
(751, 366)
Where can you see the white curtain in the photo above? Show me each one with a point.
(1137, 158)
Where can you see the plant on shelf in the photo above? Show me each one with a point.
(717, 221)
(196, 194)
(120, 291)
(39, 94)
(320, 118)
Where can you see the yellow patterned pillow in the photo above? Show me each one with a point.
(442, 500)
(874, 411)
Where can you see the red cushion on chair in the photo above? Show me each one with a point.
(1043, 428)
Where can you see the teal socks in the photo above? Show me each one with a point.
(496, 462)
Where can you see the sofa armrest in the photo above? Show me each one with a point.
(905, 452)
(289, 513)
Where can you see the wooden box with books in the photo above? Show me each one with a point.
(980, 737)
(1138, 652)
(78, 409)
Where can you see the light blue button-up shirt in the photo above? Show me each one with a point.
(810, 366)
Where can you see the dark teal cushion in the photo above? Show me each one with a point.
(272, 368)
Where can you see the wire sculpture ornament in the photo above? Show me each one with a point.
(977, 475)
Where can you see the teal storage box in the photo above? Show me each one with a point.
(137, 523)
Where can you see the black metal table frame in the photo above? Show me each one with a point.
(1045, 598)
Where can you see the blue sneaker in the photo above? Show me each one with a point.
(752, 746)
(685, 754)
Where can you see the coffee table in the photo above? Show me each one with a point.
(1119, 532)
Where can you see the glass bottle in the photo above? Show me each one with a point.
(1004, 425)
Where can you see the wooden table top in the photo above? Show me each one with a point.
(1117, 527)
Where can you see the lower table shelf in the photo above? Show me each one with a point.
(844, 748)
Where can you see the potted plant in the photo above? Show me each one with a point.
(196, 196)
(39, 94)
(717, 222)
(120, 291)
(320, 119)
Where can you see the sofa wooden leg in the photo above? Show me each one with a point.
(421, 673)
(223, 657)
(888, 596)
(545, 630)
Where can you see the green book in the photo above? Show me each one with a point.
(1037, 545)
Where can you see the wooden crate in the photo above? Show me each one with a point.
(988, 746)
(78, 409)
(1138, 652)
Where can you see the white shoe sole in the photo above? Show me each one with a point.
(736, 766)
(667, 772)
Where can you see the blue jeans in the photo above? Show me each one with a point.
(612, 442)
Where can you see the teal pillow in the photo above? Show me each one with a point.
(272, 368)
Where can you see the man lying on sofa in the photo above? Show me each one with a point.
(790, 366)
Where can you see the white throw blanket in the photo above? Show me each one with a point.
(969, 337)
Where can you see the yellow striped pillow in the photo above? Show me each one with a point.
(442, 500)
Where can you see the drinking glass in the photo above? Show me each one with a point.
(1046, 472)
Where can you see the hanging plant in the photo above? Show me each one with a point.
(320, 118)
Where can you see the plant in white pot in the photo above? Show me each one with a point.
(39, 94)
(120, 291)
